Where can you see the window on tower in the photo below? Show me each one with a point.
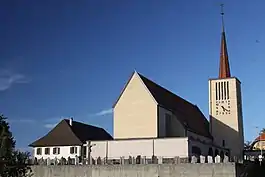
(216, 91)
(222, 90)
(227, 89)
(219, 91)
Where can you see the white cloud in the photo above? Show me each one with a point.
(8, 79)
(104, 112)
(50, 125)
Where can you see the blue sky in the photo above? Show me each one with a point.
(72, 58)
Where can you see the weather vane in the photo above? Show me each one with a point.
(222, 9)
(222, 14)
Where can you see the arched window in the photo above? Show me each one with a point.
(210, 152)
(222, 156)
(216, 152)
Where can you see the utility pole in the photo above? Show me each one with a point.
(260, 157)
(260, 142)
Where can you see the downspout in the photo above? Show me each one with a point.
(153, 147)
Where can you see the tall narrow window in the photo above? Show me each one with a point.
(222, 91)
(168, 118)
(216, 91)
(225, 97)
(227, 87)
(219, 91)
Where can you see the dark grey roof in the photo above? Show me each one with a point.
(66, 135)
(188, 113)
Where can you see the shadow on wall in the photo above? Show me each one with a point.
(220, 130)
(223, 145)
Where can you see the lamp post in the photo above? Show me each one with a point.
(260, 157)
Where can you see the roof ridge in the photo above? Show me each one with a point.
(86, 124)
(166, 89)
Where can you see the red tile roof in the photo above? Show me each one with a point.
(224, 70)
(261, 137)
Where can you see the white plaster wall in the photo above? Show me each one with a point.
(171, 147)
(99, 149)
(64, 152)
(176, 128)
(168, 147)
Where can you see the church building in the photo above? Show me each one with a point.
(150, 120)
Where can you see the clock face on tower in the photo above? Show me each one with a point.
(223, 107)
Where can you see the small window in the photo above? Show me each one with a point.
(56, 150)
(223, 143)
(73, 150)
(38, 151)
(168, 123)
(47, 151)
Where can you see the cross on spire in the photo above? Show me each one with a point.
(224, 70)
(222, 15)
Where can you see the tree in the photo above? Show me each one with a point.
(12, 162)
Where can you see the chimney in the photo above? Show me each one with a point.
(71, 121)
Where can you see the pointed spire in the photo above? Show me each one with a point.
(224, 70)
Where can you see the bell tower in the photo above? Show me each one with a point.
(225, 105)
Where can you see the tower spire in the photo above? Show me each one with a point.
(224, 70)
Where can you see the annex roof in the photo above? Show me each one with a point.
(64, 134)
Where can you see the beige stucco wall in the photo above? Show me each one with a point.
(176, 129)
(166, 147)
(228, 127)
(135, 114)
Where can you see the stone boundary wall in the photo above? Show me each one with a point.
(152, 170)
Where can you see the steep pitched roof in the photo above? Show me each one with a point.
(66, 135)
(224, 70)
(188, 113)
